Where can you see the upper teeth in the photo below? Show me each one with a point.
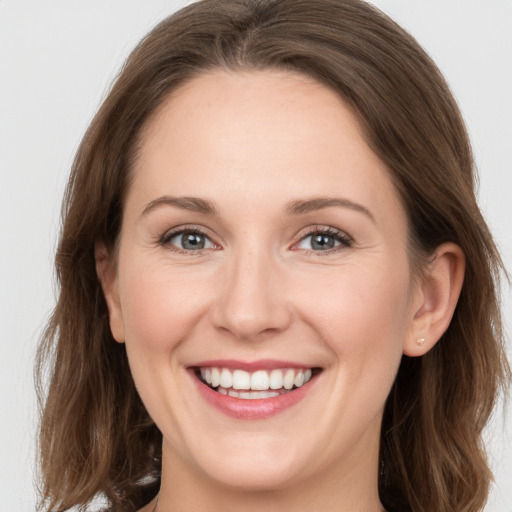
(260, 380)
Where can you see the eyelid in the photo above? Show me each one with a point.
(344, 238)
(168, 235)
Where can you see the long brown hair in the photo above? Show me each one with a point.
(96, 438)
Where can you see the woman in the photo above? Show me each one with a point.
(277, 290)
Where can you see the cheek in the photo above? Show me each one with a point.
(159, 308)
(361, 311)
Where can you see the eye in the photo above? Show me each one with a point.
(324, 240)
(188, 240)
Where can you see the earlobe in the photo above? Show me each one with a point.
(107, 277)
(438, 294)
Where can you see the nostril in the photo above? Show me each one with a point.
(250, 323)
(251, 301)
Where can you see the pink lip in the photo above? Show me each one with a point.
(248, 366)
(251, 409)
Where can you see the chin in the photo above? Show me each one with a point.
(264, 474)
(250, 463)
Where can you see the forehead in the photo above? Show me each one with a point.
(275, 134)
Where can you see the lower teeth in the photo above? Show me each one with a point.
(251, 395)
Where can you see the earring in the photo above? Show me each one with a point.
(420, 341)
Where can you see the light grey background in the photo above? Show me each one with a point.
(57, 59)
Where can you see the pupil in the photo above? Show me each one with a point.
(193, 241)
(322, 242)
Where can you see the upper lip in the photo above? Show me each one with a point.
(249, 366)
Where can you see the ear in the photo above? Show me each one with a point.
(107, 276)
(437, 293)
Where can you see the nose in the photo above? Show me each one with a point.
(252, 299)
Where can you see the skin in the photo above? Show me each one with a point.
(252, 143)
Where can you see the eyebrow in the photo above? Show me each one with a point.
(297, 207)
(193, 204)
(300, 207)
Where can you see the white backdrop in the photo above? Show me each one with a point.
(57, 59)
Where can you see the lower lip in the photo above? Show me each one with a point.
(256, 409)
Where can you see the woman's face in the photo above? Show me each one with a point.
(262, 245)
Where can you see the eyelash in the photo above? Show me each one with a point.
(344, 240)
(168, 236)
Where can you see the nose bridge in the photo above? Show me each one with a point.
(252, 300)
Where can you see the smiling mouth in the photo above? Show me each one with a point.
(255, 385)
